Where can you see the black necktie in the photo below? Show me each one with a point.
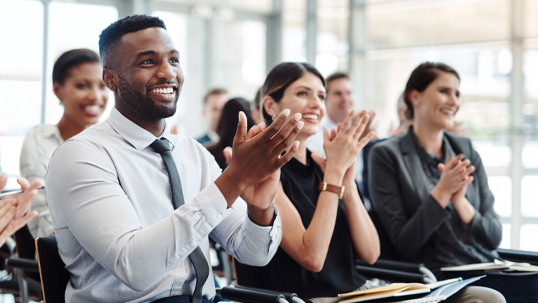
(197, 256)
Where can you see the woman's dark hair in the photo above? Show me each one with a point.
(227, 127)
(282, 76)
(71, 59)
(420, 78)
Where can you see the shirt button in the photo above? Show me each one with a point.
(219, 216)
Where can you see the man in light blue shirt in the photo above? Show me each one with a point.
(110, 196)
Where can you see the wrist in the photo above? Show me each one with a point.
(441, 196)
(262, 216)
(333, 176)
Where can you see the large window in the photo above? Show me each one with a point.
(474, 37)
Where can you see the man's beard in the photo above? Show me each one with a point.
(144, 105)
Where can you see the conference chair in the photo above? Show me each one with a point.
(54, 278)
(25, 266)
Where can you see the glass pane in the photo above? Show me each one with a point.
(20, 106)
(501, 187)
(413, 23)
(78, 22)
(332, 36)
(528, 237)
(294, 31)
(10, 150)
(530, 7)
(505, 242)
(26, 39)
(485, 85)
(529, 207)
(189, 35)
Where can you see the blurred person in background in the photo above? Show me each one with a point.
(14, 210)
(78, 84)
(214, 101)
(429, 187)
(338, 104)
(255, 111)
(227, 128)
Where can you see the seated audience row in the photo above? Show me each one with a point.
(132, 206)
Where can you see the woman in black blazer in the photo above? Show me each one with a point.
(429, 187)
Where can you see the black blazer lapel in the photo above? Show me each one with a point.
(423, 186)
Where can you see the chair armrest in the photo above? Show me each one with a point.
(519, 255)
(390, 274)
(393, 265)
(245, 294)
(24, 264)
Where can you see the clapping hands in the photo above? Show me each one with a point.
(13, 210)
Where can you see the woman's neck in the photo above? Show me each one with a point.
(429, 137)
(68, 128)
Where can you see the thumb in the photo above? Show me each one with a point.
(319, 160)
(441, 167)
(228, 154)
(241, 132)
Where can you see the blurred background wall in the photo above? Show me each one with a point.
(493, 44)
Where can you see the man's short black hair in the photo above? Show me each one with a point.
(109, 40)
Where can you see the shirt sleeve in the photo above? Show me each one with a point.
(408, 233)
(486, 224)
(33, 166)
(243, 239)
(84, 190)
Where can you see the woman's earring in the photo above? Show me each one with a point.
(273, 117)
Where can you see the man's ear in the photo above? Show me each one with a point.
(270, 106)
(109, 77)
(57, 87)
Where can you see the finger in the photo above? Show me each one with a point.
(276, 126)
(252, 132)
(326, 135)
(290, 138)
(3, 181)
(470, 170)
(361, 127)
(338, 127)
(25, 199)
(333, 133)
(16, 225)
(441, 167)
(23, 183)
(6, 206)
(6, 218)
(366, 139)
(228, 154)
(319, 160)
(347, 121)
(241, 132)
(288, 155)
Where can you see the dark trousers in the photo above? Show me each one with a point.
(516, 289)
(179, 299)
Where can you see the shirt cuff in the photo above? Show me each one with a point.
(211, 204)
(266, 234)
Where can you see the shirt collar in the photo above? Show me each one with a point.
(447, 149)
(133, 133)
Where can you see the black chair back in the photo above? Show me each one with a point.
(54, 276)
(26, 250)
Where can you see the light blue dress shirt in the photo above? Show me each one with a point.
(118, 234)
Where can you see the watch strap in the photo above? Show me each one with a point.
(339, 190)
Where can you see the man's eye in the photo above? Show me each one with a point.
(149, 61)
(174, 60)
(81, 86)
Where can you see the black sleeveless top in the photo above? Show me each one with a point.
(300, 183)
